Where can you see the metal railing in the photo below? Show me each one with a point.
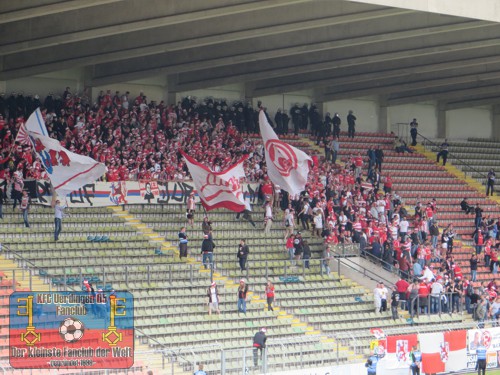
(280, 354)
(372, 275)
(468, 168)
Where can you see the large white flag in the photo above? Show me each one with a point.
(218, 189)
(36, 124)
(67, 171)
(287, 166)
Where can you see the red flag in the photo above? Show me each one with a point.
(218, 189)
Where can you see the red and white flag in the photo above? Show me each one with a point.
(67, 171)
(218, 189)
(443, 351)
(287, 166)
(22, 136)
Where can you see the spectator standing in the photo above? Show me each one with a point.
(414, 131)
(318, 223)
(242, 297)
(25, 207)
(481, 311)
(289, 222)
(479, 241)
(336, 125)
(403, 228)
(377, 298)
(183, 243)
(290, 248)
(270, 295)
(490, 185)
(268, 216)
(416, 360)
(206, 226)
(190, 209)
(335, 149)
(259, 343)
(58, 216)
(17, 187)
(478, 211)
(443, 152)
(243, 251)
(383, 297)
(473, 267)
(306, 254)
(213, 298)
(394, 302)
(379, 158)
(351, 124)
(481, 358)
(436, 291)
(207, 251)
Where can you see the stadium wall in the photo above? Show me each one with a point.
(459, 123)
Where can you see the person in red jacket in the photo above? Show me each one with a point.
(270, 295)
(423, 296)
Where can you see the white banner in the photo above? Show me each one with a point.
(67, 171)
(490, 337)
(218, 189)
(100, 194)
(287, 166)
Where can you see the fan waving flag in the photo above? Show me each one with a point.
(287, 166)
(67, 171)
(36, 124)
(218, 189)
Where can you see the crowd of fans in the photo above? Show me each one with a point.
(140, 139)
(355, 203)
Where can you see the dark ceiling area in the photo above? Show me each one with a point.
(338, 48)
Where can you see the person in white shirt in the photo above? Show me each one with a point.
(58, 216)
(377, 298)
(436, 290)
(268, 218)
(403, 228)
(383, 292)
(289, 223)
(318, 223)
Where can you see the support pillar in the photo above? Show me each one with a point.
(171, 89)
(442, 126)
(383, 119)
(495, 121)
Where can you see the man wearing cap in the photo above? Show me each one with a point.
(242, 296)
(213, 298)
(259, 343)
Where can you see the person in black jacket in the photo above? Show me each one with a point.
(351, 124)
(242, 255)
(207, 250)
(306, 254)
(259, 343)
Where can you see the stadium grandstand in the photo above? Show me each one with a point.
(248, 186)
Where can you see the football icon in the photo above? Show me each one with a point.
(71, 330)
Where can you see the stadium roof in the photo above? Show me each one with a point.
(340, 49)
